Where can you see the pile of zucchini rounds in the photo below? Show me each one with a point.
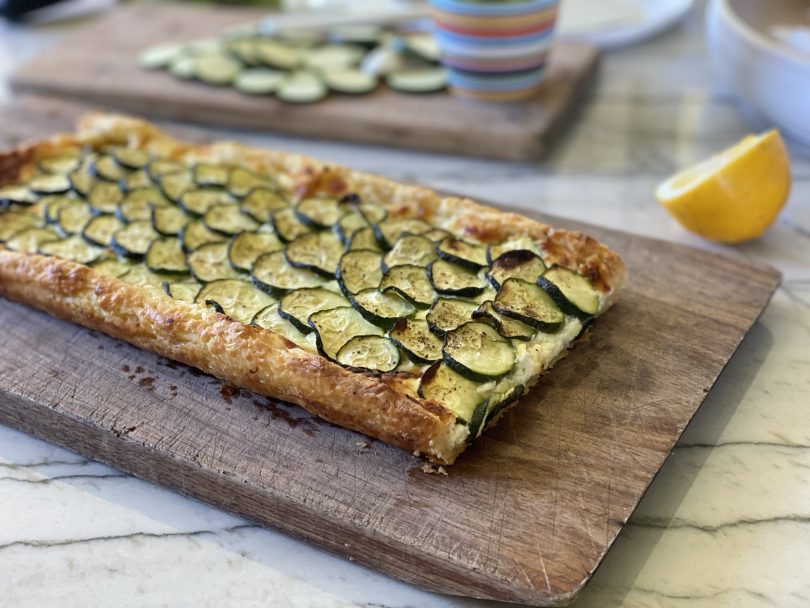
(304, 66)
(371, 292)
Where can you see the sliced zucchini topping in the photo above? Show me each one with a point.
(388, 231)
(411, 282)
(448, 313)
(210, 263)
(369, 353)
(415, 338)
(319, 251)
(508, 328)
(242, 182)
(175, 185)
(319, 212)
(135, 180)
(46, 183)
(211, 175)
(105, 197)
(273, 273)
(228, 219)
(381, 308)
(529, 303)
(298, 305)
(460, 395)
(460, 252)
(20, 195)
(100, 230)
(522, 242)
(74, 216)
(73, 248)
(30, 240)
(105, 167)
(573, 293)
(151, 196)
(185, 292)
(246, 247)
(410, 249)
(501, 406)
(453, 280)
(199, 202)
(134, 210)
(348, 224)
(169, 221)
(134, 239)
(336, 326)
(237, 299)
(113, 267)
(166, 255)
(476, 350)
(288, 226)
(131, 158)
(364, 238)
(162, 166)
(269, 318)
(520, 263)
(359, 270)
(261, 203)
(63, 163)
(195, 234)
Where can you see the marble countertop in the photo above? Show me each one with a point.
(726, 522)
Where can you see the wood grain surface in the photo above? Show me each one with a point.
(98, 64)
(526, 515)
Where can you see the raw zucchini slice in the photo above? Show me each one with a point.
(105, 197)
(20, 195)
(298, 305)
(460, 252)
(364, 238)
(29, 240)
(240, 300)
(259, 81)
(211, 176)
(508, 328)
(242, 182)
(47, 183)
(530, 303)
(287, 225)
(348, 224)
(319, 251)
(332, 57)
(217, 69)
(521, 242)
(417, 80)
(300, 38)
(448, 313)
(301, 87)
(166, 255)
(261, 203)
(362, 34)
(104, 167)
(411, 282)
(388, 231)
(573, 293)
(243, 46)
(269, 318)
(185, 292)
(12, 223)
(169, 221)
(131, 158)
(113, 267)
(477, 351)
(336, 326)
(162, 166)
(248, 246)
(381, 308)
(134, 240)
(200, 201)
(277, 55)
(370, 354)
(228, 219)
(100, 230)
(318, 212)
(183, 67)
(151, 196)
(350, 81)
(73, 248)
(135, 180)
(210, 263)
(273, 273)
(134, 210)
(452, 390)
(520, 263)
(73, 217)
(423, 46)
(195, 234)
(175, 185)
(415, 338)
(160, 56)
(410, 249)
(62, 163)
(451, 279)
(359, 270)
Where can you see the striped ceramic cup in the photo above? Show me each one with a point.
(494, 50)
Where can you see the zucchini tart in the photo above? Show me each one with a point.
(385, 308)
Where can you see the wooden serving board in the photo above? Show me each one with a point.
(526, 515)
(98, 64)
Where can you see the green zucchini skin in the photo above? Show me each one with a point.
(477, 351)
(529, 303)
(580, 290)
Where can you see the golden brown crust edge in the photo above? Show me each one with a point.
(258, 359)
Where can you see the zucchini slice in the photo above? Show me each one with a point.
(246, 247)
(423, 46)
(336, 326)
(100, 230)
(370, 354)
(508, 328)
(14, 222)
(268, 318)
(388, 231)
(105, 197)
(183, 67)
(229, 220)
(319, 251)
(30, 240)
(200, 201)
(169, 221)
(453, 280)
(160, 56)
(131, 158)
(261, 203)
(73, 217)
(498, 408)
(210, 263)
(418, 80)
(20, 195)
(415, 338)
(287, 225)
(134, 210)
(113, 267)
(477, 351)
(211, 176)
(435, 234)
(47, 183)
(217, 69)
(460, 252)
(163, 166)
(150, 196)
(530, 303)
(364, 238)
(143, 277)
(350, 81)
(411, 282)
(455, 392)
(381, 308)
(73, 248)
(273, 273)
(240, 300)
(195, 234)
(242, 182)
(364, 35)
(175, 185)
(359, 270)
(185, 292)
(61, 163)
(573, 293)
(519, 263)
(332, 57)
(134, 239)
(448, 313)
(301, 87)
(521, 242)
(82, 179)
(298, 305)
(410, 249)
(104, 167)
(373, 213)
(318, 212)
(166, 255)
(135, 180)
(277, 55)
(53, 204)
(259, 81)
(348, 224)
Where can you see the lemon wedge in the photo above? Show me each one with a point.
(734, 196)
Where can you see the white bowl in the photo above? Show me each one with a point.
(771, 76)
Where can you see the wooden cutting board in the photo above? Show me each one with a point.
(98, 64)
(526, 515)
